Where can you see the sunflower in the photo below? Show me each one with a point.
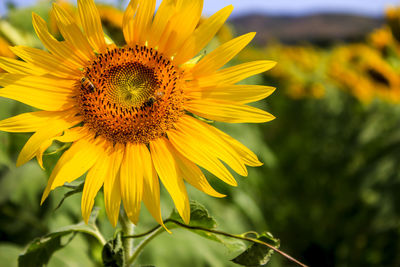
(382, 38)
(392, 16)
(111, 16)
(131, 113)
(362, 71)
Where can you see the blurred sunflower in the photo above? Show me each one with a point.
(5, 50)
(392, 17)
(300, 70)
(361, 70)
(387, 38)
(382, 38)
(127, 110)
(110, 15)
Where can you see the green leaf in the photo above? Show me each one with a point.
(82, 227)
(41, 249)
(78, 188)
(200, 217)
(113, 252)
(258, 254)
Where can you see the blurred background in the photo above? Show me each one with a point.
(329, 186)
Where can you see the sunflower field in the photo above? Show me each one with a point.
(323, 183)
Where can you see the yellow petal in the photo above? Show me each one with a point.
(143, 20)
(202, 35)
(15, 66)
(242, 94)
(246, 155)
(72, 33)
(35, 143)
(93, 182)
(32, 121)
(128, 22)
(91, 23)
(181, 25)
(151, 186)
(39, 92)
(227, 111)
(38, 121)
(193, 175)
(163, 15)
(201, 132)
(201, 155)
(45, 61)
(47, 83)
(132, 181)
(221, 55)
(39, 153)
(42, 135)
(73, 134)
(167, 170)
(69, 135)
(79, 158)
(112, 192)
(61, 49)
(233, 74)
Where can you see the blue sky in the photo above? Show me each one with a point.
(295, 7)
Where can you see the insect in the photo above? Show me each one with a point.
(152, 99)
(87, 84)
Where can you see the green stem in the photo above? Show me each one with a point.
(241, 238)
(139, 248)
(156, 230)
(96, 234)
(128, 228)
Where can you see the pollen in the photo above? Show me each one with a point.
(130, 94)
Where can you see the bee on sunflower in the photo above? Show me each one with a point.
(128, 111)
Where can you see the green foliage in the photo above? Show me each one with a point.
(9, 254)
(201, 218)
(41, 249)
(113, 254)
(258, 254)
(75, 189)
(328, 188)
(337, 177)
(21, 18)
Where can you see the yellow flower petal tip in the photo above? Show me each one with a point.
(124, 109)
(44, 197)
(166, 229)
(269, 64)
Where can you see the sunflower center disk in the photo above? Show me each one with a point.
(130, 95)
(132, 84)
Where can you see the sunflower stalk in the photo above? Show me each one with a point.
(128, 228)
(138, 249)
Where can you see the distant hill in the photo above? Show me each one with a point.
(321, 29)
